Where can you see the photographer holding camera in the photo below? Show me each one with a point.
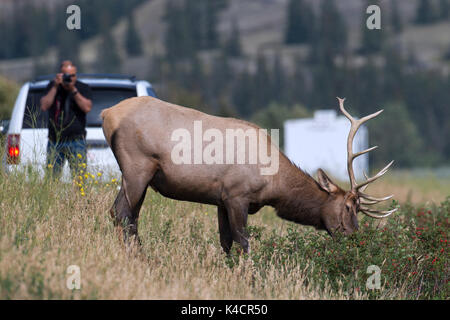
(68, 102)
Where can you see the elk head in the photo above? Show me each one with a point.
(339, 213)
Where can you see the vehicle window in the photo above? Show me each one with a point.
(101, 98)
(150, 92)
(34, 117)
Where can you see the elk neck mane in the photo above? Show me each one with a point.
(300, 198)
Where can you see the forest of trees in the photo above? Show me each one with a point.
(416, 99)
(414, 128)
(29, 31)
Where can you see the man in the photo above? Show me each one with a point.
(68, 102)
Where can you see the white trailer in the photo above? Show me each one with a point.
(321, 142)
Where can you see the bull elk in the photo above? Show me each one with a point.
(138, 130)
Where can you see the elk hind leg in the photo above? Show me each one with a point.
(128, 203)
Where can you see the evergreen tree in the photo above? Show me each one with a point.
(332, 34)
(278, 80)
(444, 9)
(37, 32)
(211, 10)
(7, 35)
(242, 95)
(261, 82)
(200, 22)
(28, 30)
(68, 46)
(132, 41)
(370, 89)
(108, 59)
(219, 85)
(324, 92)
(20, 31)
(233, 47)
(178, 39)
(92, 19)
(425, 12)
(396, 19)
(399, 136)
(300, 22)
(221, 74)
(296, 84)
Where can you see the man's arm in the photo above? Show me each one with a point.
(47, 100)
(84, 103)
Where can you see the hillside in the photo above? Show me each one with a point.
(261, 24)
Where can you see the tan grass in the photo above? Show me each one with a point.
(46, 227)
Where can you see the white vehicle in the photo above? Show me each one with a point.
(27, 135)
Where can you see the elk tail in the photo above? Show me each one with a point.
(103, 113)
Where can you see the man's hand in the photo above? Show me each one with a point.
(58, 80)
(70, 87)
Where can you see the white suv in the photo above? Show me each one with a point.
(27, 136)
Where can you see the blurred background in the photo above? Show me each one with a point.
(262, 60)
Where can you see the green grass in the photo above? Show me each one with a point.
(46, 226)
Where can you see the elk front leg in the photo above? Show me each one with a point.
(237, 216)
(226, 238)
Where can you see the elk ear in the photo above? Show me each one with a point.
(326, 183)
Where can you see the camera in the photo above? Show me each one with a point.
(67, 78)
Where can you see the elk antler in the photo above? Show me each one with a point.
(355, 188)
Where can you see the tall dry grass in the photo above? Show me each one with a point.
(46, 226)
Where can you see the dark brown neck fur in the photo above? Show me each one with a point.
(300, 198)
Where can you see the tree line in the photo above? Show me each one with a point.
(416, 99)
(268, 88)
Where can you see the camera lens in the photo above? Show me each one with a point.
(67, 78)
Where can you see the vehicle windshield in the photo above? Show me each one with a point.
(101, 98)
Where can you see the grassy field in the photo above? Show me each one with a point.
(47, 226)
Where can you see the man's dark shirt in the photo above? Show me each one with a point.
(71, 125)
